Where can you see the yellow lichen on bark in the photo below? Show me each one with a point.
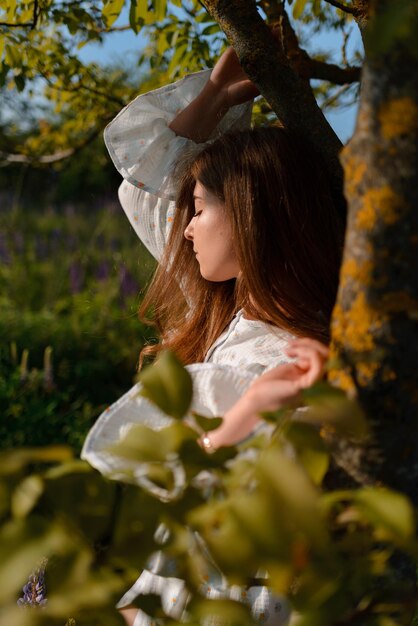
(354, 171)
(398, 117)
(381, 202)
(355, 329)
(341, 379)
(351, 270)
(366, 372)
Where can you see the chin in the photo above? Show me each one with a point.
(215, 277)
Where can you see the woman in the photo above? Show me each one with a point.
(249, 254)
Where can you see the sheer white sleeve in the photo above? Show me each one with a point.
(142, 146)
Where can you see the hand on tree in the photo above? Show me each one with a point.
(229, 78)
(283, 383)
(271, 391)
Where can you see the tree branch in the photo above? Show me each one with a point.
(47, 159)
(44, 159)
(18, 25)
(114, 29)
(339, 92)
(334, 73)
(343, 7)
(309, 68)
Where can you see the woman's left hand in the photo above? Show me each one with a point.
(272, 390)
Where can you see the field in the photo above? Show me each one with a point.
(70, 284)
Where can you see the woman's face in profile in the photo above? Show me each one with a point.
(211, 233)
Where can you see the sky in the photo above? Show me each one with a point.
(123, 47)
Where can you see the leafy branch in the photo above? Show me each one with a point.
(31, 25)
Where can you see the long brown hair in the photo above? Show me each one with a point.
(288, 237)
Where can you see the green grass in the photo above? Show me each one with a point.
(70, 281)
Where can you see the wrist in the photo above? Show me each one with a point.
(216, 97)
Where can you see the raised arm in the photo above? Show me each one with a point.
(227, 86)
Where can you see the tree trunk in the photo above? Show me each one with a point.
(375, 321)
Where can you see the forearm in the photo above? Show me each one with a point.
(200, 118)
(238, 423)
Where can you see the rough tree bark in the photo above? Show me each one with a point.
(375, 323)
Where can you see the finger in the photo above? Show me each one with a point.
(313, 362)
(311, 344)
(307, 353)
(308, 341)
(314, 372)
(285, 370)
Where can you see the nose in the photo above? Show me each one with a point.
(188, 231)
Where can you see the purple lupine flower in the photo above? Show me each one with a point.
(55, 239)
(34, 592)
(4, 250)
(128, 284)
(76, 277)
(103, 270)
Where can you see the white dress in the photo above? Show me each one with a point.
(144, 150)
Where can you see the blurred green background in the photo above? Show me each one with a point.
(71, 275)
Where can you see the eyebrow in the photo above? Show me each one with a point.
(197, 197)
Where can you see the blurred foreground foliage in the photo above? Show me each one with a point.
(255, 507)
(70, 283)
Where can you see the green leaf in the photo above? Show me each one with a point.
(212, 29)
(310, 449)
(142, 444)
(295, 497)
(111, 11)
(135, 20)
(388, 510)
(177, 58)
(160, 8)
(298, 8)
(23, 543)
(26, 495)
(19, 82)
(12, 56)
(151, 604)
(12, 461)
(168, 385)
(207, 423)
(330, 407)
(223, 611)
